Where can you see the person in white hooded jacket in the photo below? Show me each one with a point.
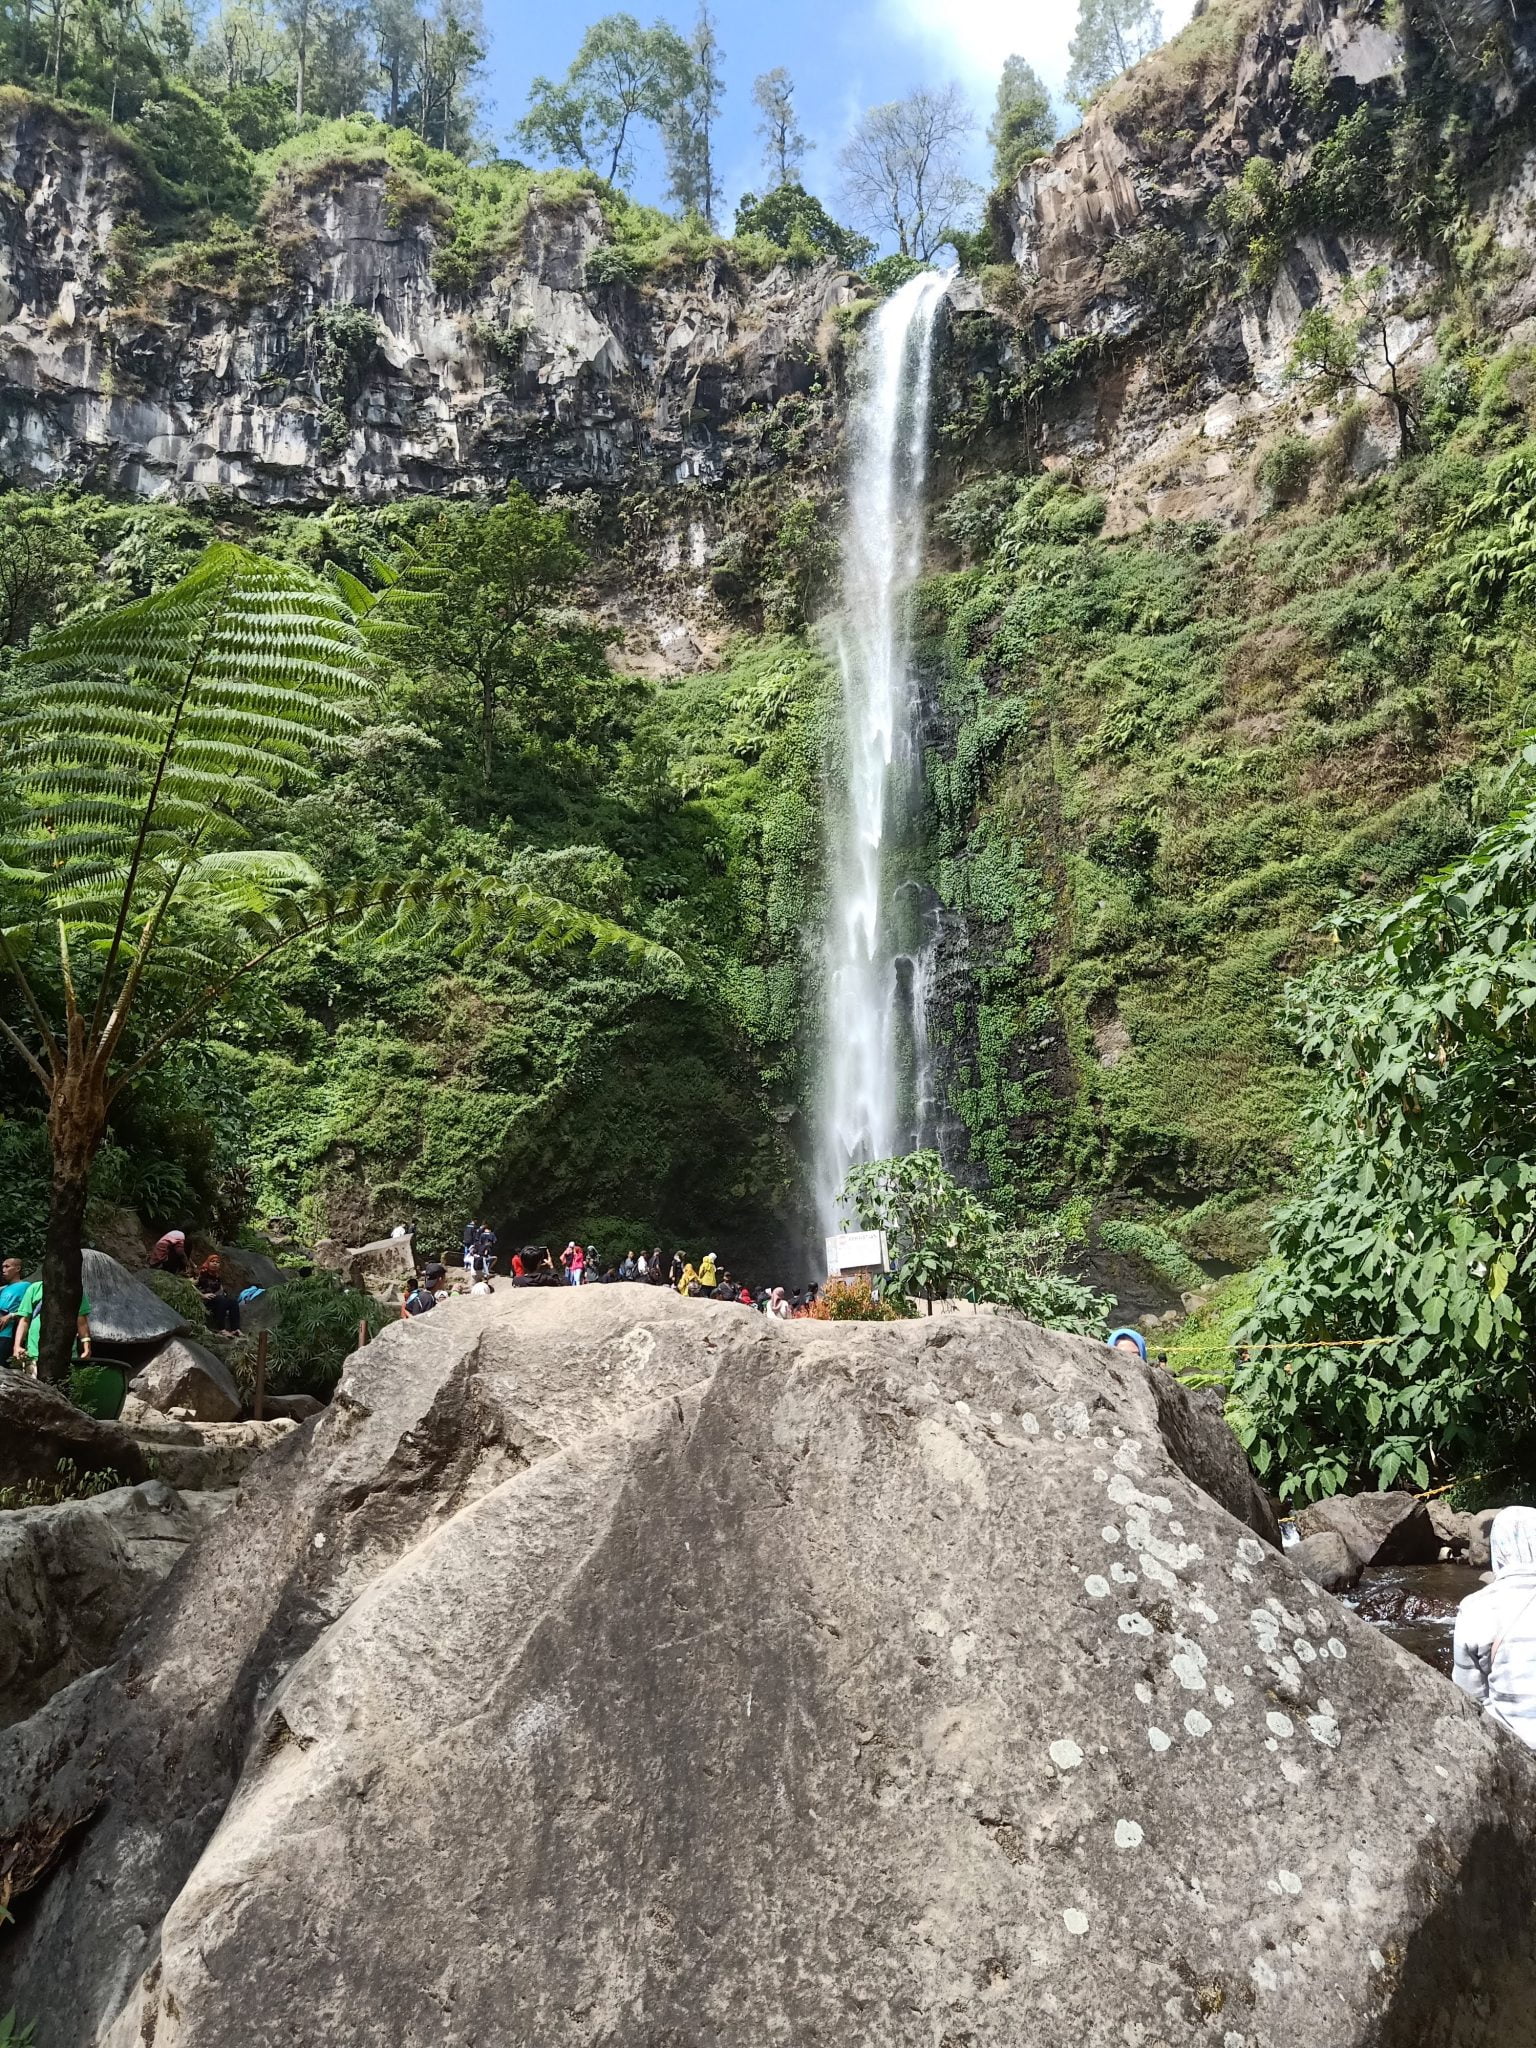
(1496, 1627)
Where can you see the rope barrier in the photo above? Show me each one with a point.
(1317, 1344)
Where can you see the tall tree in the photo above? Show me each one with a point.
(622, 77)
(903, 170)
(395, 41)
(1111, 36)
(1023, 124)
(785, 144)
(299, 19)
(688, 129)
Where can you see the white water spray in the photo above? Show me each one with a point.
(867, 1033)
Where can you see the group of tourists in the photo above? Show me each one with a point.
(21, 1319)
(579, 1265)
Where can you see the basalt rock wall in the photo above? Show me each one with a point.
(533, 376)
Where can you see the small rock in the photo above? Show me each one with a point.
(1327, 1561)
(297, 1407)
(187, 1380)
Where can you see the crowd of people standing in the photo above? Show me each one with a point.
(579, 1265)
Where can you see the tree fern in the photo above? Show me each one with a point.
(149, 754)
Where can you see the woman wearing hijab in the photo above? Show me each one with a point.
(689, 1281)
(778, 1305)
(1129, 1340)
(1496, 1628)
(709, 1279)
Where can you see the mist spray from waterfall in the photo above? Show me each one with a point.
(873, 1033)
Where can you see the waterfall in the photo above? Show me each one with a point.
(872, 1091)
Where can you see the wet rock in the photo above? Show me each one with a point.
(1462, 1536)
(1379, 1528)
(1327, 1561)
(190, 1378)
(837, 1676)
(73, 1576)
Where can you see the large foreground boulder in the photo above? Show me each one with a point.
(73, 1576)
(617, 1669)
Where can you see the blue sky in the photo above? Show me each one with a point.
(842, 57)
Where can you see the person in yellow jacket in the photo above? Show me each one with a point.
(689, 1284)
(709, 1279)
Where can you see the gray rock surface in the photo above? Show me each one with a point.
(297, 1407)
(123, 1310)
(386, 1268)
(530, 375)
(73, 1576)
(607, 1669)
(197, 1456)
(190, 1377)
(1326, 1559)
(1377, 1528)
(40, 1427)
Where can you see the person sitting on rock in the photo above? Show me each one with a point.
(1495, 1653)
(1128, 1341)
(220, 1306)
(422, 1297)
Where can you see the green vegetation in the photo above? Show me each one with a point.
(946, 1245)
(1411, 1241)
(316, 1333)
(66, 1483)
(1023, 124)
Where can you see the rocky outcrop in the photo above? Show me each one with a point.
(1178, 354)
(201, 1456)
(41, 1430)
(532, 376)
(607, 1667)
(1376, 1528)
(73, 1576)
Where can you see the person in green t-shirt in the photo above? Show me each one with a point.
(29, 1328)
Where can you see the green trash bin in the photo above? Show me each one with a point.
(99, 1386)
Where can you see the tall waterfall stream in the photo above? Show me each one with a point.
(876, 1090)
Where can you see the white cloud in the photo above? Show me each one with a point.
(969, 39)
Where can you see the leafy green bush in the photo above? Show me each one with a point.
(1405, 1269)
(316, 1334)
(1156, 1250)
(888, 274)
(795, 221)
(855, 1301)
(200, 167)
(1285, 469)
(178, 1293)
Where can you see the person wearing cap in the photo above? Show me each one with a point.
(1129, 1340)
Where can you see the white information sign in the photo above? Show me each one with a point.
(856, 1251)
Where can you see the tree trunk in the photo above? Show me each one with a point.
(77, 1122)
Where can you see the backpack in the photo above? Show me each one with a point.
(419, 1300)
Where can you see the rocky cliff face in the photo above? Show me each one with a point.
(608, 1667)
(1178, 352)
(534, 377)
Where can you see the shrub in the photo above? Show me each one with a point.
(1155, 1250)
(316, 1334)
(199, 166)
(178, 1293)
(853, 1301)
(1285, 469)
(67, 1483)
(889, 273)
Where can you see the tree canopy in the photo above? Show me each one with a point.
(1023, 124)
(1111, 35)
(903, 170)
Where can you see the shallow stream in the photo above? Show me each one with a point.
(1415, 1604)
